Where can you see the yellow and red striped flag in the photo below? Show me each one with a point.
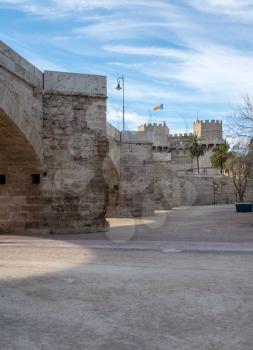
(158, 108)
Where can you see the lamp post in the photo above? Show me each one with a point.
(122, 87)
(215, 188)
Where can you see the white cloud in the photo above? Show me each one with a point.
(44, 64)
(202, 71)
(118, 28)
(59, 8)
(146, 51)
(220, 72)
(217, 72)
(241, 10)
(39, 61)
(149, 94)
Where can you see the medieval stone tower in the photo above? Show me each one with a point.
(208, 131)
(211, 134)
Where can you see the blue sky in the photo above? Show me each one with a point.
(194, 56)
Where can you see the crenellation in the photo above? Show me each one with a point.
(171, 136)
(213, 121)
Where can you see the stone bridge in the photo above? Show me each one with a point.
(64, 169)
(53, 147)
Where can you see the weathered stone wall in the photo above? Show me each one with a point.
(65, 169)
(52, 149)
(18, 211)
(175, 184)
(20, 98)
(111, 170)
(180, 189)
(157, 134)
(203, 190)
(112, 180)
(163, 185)
(211, 134)
(136, 189)
(209, 131)
(75, 146)
(20, 141)
(181, 160)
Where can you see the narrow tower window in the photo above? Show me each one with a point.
(35, 179)
(2, 180)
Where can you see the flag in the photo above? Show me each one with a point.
(158, 108)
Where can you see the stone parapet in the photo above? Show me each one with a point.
(18, 66)
(112, 132)
(75, 84)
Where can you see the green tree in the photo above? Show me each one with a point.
(196, 148)
(220, 156)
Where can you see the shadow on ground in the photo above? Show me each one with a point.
(57, 293)
(72, 298)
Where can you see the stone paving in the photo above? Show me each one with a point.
(158, 291)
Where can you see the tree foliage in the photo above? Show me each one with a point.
(220, 155)
(196, 148)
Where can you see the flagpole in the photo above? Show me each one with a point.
(122, 78)
(123, 84)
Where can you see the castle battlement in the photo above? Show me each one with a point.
(208, 121)
(208, 130)
(180, 135)
(152, 126)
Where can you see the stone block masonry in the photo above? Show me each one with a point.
(136, 188)
(52, 149)
(173, 179)
(75, 146)
(63, 168)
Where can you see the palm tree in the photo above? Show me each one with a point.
(196, 148)
(220, 156)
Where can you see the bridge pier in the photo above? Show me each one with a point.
(52, 149)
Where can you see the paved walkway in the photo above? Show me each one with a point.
(186, 228)
(65, 296)
(181, 280)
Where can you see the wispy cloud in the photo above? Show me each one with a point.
(241, 10)
(180, 53)
(59, 7)
(37, 60)
(147, 51)
(215, 70)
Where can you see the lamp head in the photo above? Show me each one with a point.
(118, 87)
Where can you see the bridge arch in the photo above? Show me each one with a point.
(20, 177)
(21, 87)
(15, 149)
